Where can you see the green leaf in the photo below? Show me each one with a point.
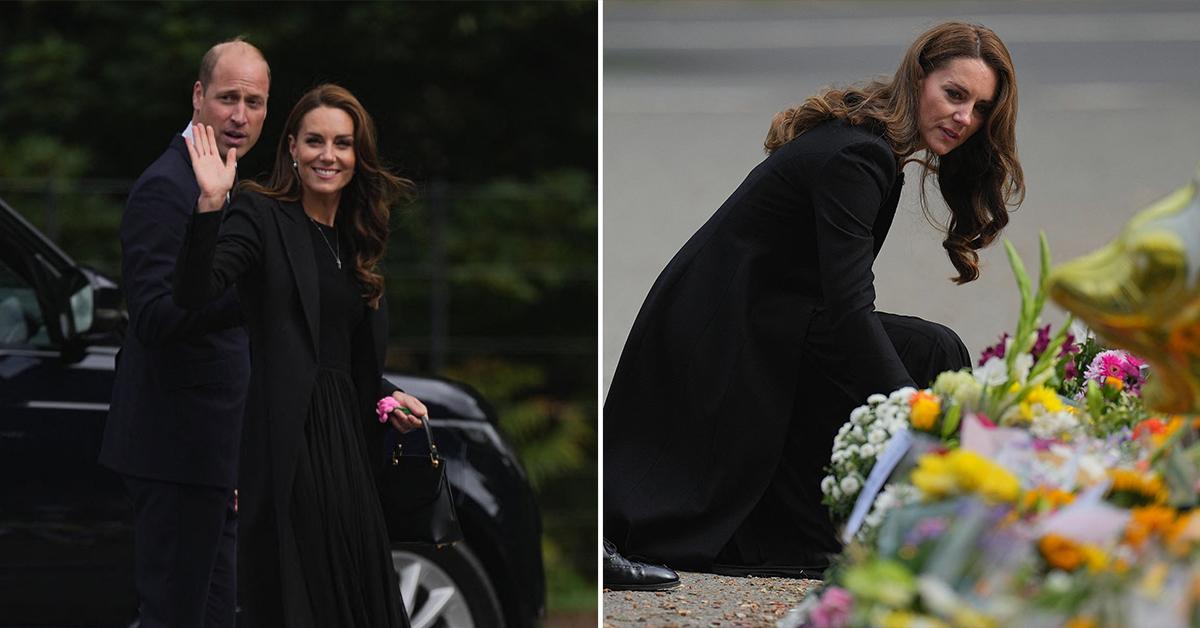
(1044, 258)
(951, 420)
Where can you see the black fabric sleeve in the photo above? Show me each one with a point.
(216, 252)
(152, 232)
(852, 185)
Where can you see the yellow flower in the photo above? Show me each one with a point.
(1079, 621)
(925, 410)
(962, 471)
(934, 476)
(1114, 382)
(905, 619)
(1040, 396)
(1149, 485)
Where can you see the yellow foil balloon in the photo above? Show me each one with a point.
(1141, 292)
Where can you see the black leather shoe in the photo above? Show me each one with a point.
(622, 574)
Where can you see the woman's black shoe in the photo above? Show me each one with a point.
(622, 574)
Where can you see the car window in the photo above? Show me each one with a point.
(20, 316)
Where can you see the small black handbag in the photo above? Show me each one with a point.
(416, 498)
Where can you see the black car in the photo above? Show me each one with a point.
(66, 553)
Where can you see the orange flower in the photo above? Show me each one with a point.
(1080, 622)
(1148, 521)
(925, 409)
(1114, 382)
(1183, 533)
(1153, 425)
(1045, 499)
(1061, 552)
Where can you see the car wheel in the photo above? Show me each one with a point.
(445, 588)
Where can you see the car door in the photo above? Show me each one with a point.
(65, 549)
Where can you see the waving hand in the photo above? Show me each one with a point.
(214, 177)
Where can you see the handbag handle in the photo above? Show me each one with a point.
(434, 459)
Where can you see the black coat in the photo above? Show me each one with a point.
(181, 379)
(265, 247)
(709, 381)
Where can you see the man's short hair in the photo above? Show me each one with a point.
(208, 63)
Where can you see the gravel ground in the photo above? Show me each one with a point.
(707, 600)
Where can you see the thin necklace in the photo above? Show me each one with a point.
(337, 255)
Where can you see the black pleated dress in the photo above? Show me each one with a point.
(338, 525)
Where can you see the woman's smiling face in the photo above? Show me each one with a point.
(323, 148)
(953, 103)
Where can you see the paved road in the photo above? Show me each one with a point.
(1109, 121)
(707, 600)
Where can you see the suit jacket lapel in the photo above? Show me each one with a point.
(297, 242)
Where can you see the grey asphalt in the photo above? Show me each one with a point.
(707, 600)
(1109, 122)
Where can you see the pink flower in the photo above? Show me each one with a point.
(833, 611)
(1119, 364)
(384, 407)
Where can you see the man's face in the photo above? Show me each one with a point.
(235, 103)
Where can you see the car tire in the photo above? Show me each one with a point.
(445, 588)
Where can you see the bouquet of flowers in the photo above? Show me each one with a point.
(859, 442)
(1043, 495)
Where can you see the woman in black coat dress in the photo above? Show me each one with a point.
(302, 249)
(761, 334)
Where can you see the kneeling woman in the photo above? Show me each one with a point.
(303, 250)
(761, 334)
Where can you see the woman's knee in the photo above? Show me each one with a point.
(926, 348)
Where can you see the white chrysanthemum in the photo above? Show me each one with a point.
(827, 484)
(852, 450)
(876, 436)
(859, 415)
(858, 433)
(902, 395)
(876, 399)
(892, 496)
(867, 451)
(849, 485)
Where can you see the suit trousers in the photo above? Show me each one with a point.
(185, 553)
(789, 532)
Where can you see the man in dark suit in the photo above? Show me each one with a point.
(176, 415)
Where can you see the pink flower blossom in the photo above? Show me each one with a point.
(834, 609)
(1119, 364)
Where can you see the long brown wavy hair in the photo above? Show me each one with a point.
(978, 179)
(365, 203)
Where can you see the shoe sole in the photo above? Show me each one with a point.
(666, 586)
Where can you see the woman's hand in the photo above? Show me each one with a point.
(214, 177)
(402, 410)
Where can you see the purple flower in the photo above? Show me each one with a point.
(1043, 341)
(994, 351)
(833, 611)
